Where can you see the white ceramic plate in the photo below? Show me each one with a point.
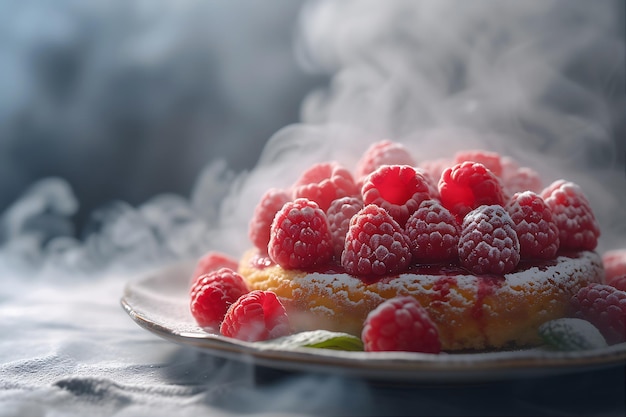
(159, 302)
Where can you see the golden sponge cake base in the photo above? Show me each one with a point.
(471, 312)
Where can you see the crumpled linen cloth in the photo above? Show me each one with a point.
(68, 349)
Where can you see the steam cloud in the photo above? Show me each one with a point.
(542, 82)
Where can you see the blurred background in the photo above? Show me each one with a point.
(128, 99)
(130, 132)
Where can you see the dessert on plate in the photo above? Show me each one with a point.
(466, 254)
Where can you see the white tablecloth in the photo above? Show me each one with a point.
(69, 349)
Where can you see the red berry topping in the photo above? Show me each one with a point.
(382, 153)
(300, 237)
(517, 179)
(488, 242)
(433, 233)
(433, 191)
(261, 222)
(400, 324)
(325, 182)
(491, 160)
(375, 244)
(213, 293)
(435, 168)
(534, 224)
(212, 261)
(605, 307)
(256, 316)
(399, 189)
(578, 228)
(468, 185)
(617, 281)
(614, 263)
(339, 214)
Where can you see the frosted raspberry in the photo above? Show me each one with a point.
(256, 316)
(433, 190)
(488, 243)
(382, 153)
(605, 307)
(617, 281)
(300, 237)
(578, 228)
(375, 244)
(614, 263)
(325, 182)
(259, 227)
(213, 293)
(536, 230)
(491, 160)
(400, 324)
(399, 189)
(433, 233)
(212, 261)
(516, 179)
(468, 185)
(435, 168)
(339, 214)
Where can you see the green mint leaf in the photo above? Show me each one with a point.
(571, 334)
(321, 339)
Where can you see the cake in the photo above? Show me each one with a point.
(483, 248)
(470, 311)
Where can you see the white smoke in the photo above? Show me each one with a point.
(128, 99)
(542, 81)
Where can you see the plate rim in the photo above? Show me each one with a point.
(417, 367)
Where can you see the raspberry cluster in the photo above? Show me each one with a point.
(478, 210)
(222, 302)
(392, 213)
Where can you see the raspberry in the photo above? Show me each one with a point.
(536, 230)
(375, 244)
(605, 307)
(578, 228)
(382, 153)
(261, 222)
(433, 233)
(433, 191)
(400, 324)
(339, 214)
(256, 316)
(213, 293)
(491, 160)
(468, 185)
(300, 237)
(488, 243)
(617, 281)
(399, 189)
(614, 263)
(522, 179)
(325, 182)
(435, 168)
(212, 261)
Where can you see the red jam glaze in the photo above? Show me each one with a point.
(447, 271)
(487, 284)
(442, 288)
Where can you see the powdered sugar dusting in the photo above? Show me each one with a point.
(476, 311)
